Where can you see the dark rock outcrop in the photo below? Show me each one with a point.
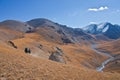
(66, 40)
(57, 56)
(27, 50)
(12, 44)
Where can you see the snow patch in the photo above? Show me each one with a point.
(105, 29)
(101, 26)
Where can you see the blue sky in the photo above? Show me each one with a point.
(75, 13)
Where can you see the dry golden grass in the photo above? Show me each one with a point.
(74, 54)
(6, 34)
(20, 66)
(112, 47)
(82, 56)
(113, 66)
(16, 65)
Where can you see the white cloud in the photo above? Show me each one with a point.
(98, 9)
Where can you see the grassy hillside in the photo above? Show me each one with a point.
(113, 48)
(16, 65)
(80, 60)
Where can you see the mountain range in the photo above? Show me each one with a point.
(107, 29)
(67, 34)
(58, 52)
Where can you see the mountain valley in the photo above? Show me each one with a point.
(58, 52)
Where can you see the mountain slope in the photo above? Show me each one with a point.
(15, 25)
(113, 48)
(66, 34)
(7, 34)
(26, 67)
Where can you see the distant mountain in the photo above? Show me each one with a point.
(59, 32)
(15, 25)
(50, 30)
(107, 29)
(40, 22)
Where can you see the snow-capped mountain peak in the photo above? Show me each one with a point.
(103, 27)
(106, 28)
